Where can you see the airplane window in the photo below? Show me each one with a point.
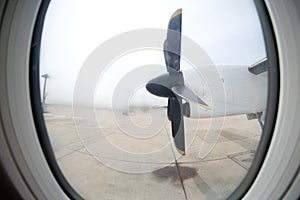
(156, 100)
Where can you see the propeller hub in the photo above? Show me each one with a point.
(159, 90)
(162, 85)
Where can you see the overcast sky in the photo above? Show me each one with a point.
(229, 31)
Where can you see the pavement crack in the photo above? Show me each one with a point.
(181, 179)
(177, 167)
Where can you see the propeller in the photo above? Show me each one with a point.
(171, 84)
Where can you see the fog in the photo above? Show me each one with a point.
(229, 31)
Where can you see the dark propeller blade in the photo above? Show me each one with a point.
(176, 117)
(172, 45)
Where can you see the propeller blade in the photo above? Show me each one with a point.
(175, 115)
(172, 45)
(187, 94)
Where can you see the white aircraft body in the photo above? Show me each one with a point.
(244, 92)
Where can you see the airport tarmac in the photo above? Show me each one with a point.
(130, 154)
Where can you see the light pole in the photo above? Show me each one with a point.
(44, 106)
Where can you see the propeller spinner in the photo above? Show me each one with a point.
(171, 84)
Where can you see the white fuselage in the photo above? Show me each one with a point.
(243, 92)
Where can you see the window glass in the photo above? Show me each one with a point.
(113, 98)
